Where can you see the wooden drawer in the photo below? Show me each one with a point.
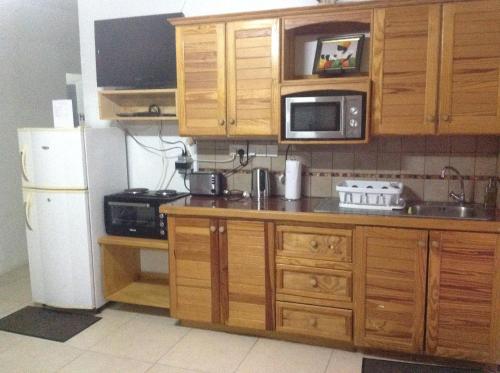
(331, 323)
(311, 282)
(315, 243)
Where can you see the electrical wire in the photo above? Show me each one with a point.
(160, 135)
(185, 184)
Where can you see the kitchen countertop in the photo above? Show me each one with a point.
(278, 209)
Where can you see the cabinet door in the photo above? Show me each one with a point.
(194, 272)
(245, 275)
(253, 76)
(470, 68)
(201, 80)
(390, 288)
(463, 301)
(405, 69)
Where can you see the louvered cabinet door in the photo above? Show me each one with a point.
(463, 290)
(194, 269)
(470, 68)
(201, 80)
(253, 77)
(245, 274)
(405, 70)
(390, 281)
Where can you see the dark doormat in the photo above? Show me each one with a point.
(387, 366)
(46, 323)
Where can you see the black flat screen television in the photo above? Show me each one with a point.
(136, 52)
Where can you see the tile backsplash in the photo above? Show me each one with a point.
(415, 161)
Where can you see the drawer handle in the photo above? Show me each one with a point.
(314, 282)
(222, 229)
(314, 244)
(313, 322)
(213, 228)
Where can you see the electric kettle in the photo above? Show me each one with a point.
(261, 185)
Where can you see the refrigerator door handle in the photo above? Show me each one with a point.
(27, 212)
(23, 165)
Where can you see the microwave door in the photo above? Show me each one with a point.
(315, 117)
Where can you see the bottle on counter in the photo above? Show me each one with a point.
(490, 194)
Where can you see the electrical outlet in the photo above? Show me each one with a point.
(233, 149)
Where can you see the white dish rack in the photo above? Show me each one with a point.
(371, 195)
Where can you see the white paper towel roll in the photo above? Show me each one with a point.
(293, 179)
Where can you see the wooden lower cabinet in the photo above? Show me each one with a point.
(389, 293)
(221, 271)
(245, 277)
(194, 276)
(463, 300)
(326, 322)
(406, 290)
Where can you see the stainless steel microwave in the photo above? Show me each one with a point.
(324, 115)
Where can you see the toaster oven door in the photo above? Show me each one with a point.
(131, 219)
(320, 117)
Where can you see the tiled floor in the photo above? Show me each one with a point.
(130, 339)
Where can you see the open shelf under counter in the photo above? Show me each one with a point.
(146, 292)
(127, 102)
(123, 278)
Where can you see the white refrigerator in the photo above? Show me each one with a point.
(65, 174)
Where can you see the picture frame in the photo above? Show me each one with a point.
(338, 54)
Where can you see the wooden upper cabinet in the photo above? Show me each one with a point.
(201, 79)
(253, 77)
(244, 274)
(405, 69)
(463, 302)
(389, 292)
(194, 269)
(470, 68)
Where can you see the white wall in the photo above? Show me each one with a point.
(38, 45)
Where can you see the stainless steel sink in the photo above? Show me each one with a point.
(451, 211)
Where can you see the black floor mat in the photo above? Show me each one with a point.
(46, 323)
(388, 366)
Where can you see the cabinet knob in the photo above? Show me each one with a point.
(221, 229)
(313, 322)
(232, 122)
(314, 282)
(222, 122)
(314, 244)
(446, 117)
(431, 119)
(435, 244)
(422, 244)
(213, 228)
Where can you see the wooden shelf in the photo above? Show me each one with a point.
(123, 278)
(155, 293)
(113, 102)
(134, 242)
(310, 80)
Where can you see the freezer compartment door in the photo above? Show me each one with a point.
(60, 261)
(52, 159)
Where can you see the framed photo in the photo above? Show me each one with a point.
(338, 55)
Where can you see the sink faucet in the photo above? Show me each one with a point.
(460, 198)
